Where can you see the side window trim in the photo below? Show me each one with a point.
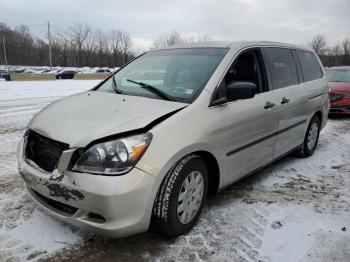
(298, 66)
(267, 69)
(263, 74)
(263, 71)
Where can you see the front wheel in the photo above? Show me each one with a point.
(311, 138)
(181, 196)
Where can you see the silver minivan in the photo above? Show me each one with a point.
(147, 145)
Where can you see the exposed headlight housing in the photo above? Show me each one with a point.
(113, 157)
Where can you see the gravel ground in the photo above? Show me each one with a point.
(294, 210)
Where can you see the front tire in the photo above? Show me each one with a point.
(311, 138)
(180, 197)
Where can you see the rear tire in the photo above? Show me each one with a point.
(180, 197)
(311, 138)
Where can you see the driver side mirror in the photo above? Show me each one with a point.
(241, 90)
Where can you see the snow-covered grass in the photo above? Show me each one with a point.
(293, 210)
(26, 232)
(23, 90)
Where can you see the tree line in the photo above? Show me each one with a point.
(336, 55)
(81, 45)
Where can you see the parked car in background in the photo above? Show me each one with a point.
(145, 146)
(65, 74)
(18, 70)
(5, 75)
(102, 70)
(41, 71)
(29, 71)
(339, 89)
(53, 71)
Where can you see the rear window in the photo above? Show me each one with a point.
(309, 65)
(281, 66)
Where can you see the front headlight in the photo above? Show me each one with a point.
(113, 157)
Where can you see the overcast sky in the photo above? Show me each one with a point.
(294, 21)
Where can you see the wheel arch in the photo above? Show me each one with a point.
(319, 115)
(213, 171)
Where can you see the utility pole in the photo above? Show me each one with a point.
(49, 37)
(4, 48)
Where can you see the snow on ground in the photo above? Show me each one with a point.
(24, 90)
(294, 210)
(25, 232)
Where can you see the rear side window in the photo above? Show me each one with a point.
(309, 65)
(281, 66)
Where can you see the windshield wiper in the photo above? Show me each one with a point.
(152, 89)
(115, 87)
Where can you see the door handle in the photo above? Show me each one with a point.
(285, 100)
(269, 105)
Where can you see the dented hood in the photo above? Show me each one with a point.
(80, 119)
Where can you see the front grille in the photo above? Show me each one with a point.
(43, 151)
(334, 97)
(57, 205)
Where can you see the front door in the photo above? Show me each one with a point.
(250, 124)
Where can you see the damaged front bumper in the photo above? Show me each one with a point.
(114, 206)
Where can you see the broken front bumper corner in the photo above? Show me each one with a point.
(114, 206)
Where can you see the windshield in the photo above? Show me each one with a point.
(338, 75)
(174, 74)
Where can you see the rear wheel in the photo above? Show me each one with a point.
(180, 198)
(311, 138)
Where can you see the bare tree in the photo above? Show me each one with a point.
(115, 39)
(64, 49)
(78, 35)
(91, 46)
(319, 44)
(174, 38)
(346, 51)
(79, 45)
(125, 45)
(101, 41)
(168, 39)
(196, 38)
